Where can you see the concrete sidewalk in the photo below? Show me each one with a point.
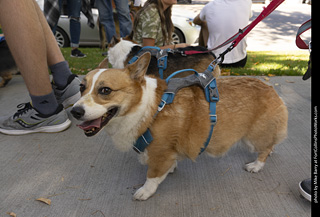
(86, 177)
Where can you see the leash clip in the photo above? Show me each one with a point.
(221, 56)
(309, 46)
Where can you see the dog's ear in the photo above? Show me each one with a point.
(113, 42)
(104, 64)
(138, 69)
(129, 37)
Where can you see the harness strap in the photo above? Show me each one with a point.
(161, 55)
(204, 80)
(143, 141)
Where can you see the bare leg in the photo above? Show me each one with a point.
(54, 54)
(29, 43)
(33, 47)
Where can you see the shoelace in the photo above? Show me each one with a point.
(27, 107)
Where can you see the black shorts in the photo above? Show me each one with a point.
(239, 64)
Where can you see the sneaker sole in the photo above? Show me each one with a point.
(304, 194)
(77, 56)
(46, 129)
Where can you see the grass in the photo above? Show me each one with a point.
(267, 63)
(82, 66)
(273, 63)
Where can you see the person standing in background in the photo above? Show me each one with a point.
(153, 25)
(224, 19)
(52, 11)
(106, 17)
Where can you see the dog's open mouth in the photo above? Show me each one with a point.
(92, 127)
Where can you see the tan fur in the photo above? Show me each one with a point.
(248, 109)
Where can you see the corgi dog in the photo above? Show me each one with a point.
(124, 102)
(121, 51)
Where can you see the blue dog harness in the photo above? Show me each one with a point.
(161, 55)
(204, 80)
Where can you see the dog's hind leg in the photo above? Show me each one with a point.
(156, 174)
(270, 129)
(259, 163)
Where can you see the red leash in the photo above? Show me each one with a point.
(235, 39)
(304, 27)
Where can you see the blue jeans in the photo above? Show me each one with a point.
(74, 8)
(106, 17)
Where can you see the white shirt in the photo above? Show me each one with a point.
(224, 19)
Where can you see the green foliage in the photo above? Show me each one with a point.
(82, 66)
(273, 63)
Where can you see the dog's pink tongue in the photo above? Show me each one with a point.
(87, 125)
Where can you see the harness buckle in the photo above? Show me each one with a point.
(183, 54)
(213, 119)
(161, 62)
(162, 105)
(309, 46)
(213, 93)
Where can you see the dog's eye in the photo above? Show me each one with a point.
(104, 90)
(82, 87)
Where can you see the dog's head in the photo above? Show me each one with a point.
(110, 93)
(120, 50)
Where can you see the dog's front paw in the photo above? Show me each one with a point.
(254, 167)
(147, 190)
(143, 193)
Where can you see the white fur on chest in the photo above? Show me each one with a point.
(124, 130)
(118, 54)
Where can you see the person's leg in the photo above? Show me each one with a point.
(74, 8)
(53, 52)
(106, 17)
(123, 12)
(66, 85)
(55, 60)
(28, 42)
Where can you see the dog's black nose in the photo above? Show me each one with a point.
(77, 112)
